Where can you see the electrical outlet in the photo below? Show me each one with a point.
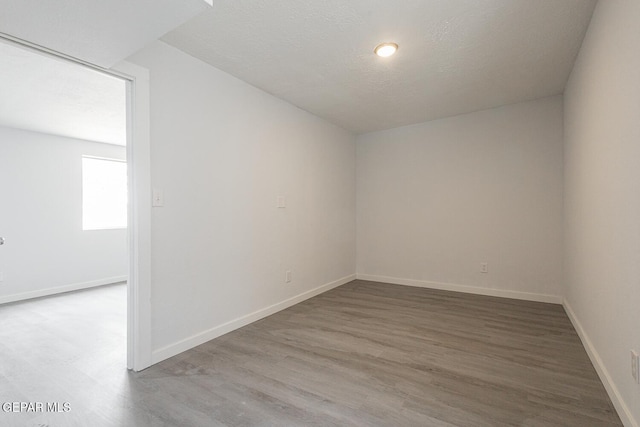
(287, 276)
(281, 202)
(158, 198)
(634, 366)
(484, 267)
(1, 276)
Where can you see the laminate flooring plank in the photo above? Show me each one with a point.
(363, 354)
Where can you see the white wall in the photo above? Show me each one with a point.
(223, 151)
(437, 199)
(602, 197)
(46, 250)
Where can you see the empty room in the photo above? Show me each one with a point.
(339, 213)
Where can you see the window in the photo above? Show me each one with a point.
(104, 193)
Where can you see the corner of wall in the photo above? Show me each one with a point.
(607, 380)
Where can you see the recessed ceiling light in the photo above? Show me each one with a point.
(386, 49)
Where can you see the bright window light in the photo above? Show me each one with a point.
(104, 193)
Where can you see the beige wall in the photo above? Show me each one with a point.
(223, 152)
(602, 197)
(435, 200)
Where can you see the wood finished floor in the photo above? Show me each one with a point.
(363, 354)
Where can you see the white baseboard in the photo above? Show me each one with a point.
(61, 289)
(554, 299)
(202, 337)
(609, 385)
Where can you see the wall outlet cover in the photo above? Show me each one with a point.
(158, 198)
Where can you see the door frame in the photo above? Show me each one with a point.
(139, 229)
(139, 198)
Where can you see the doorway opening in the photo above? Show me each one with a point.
(65, 125)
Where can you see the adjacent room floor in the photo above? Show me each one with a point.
(365, 354)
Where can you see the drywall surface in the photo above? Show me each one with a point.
(602, 197)
(99, 32)
(436, 200)
(454, 56)
(223, 152)
(46, 251)
(47, 95)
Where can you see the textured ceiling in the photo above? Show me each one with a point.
(53, 96)
(455, 56)
(97, 31)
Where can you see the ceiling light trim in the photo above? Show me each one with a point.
(384, 50)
